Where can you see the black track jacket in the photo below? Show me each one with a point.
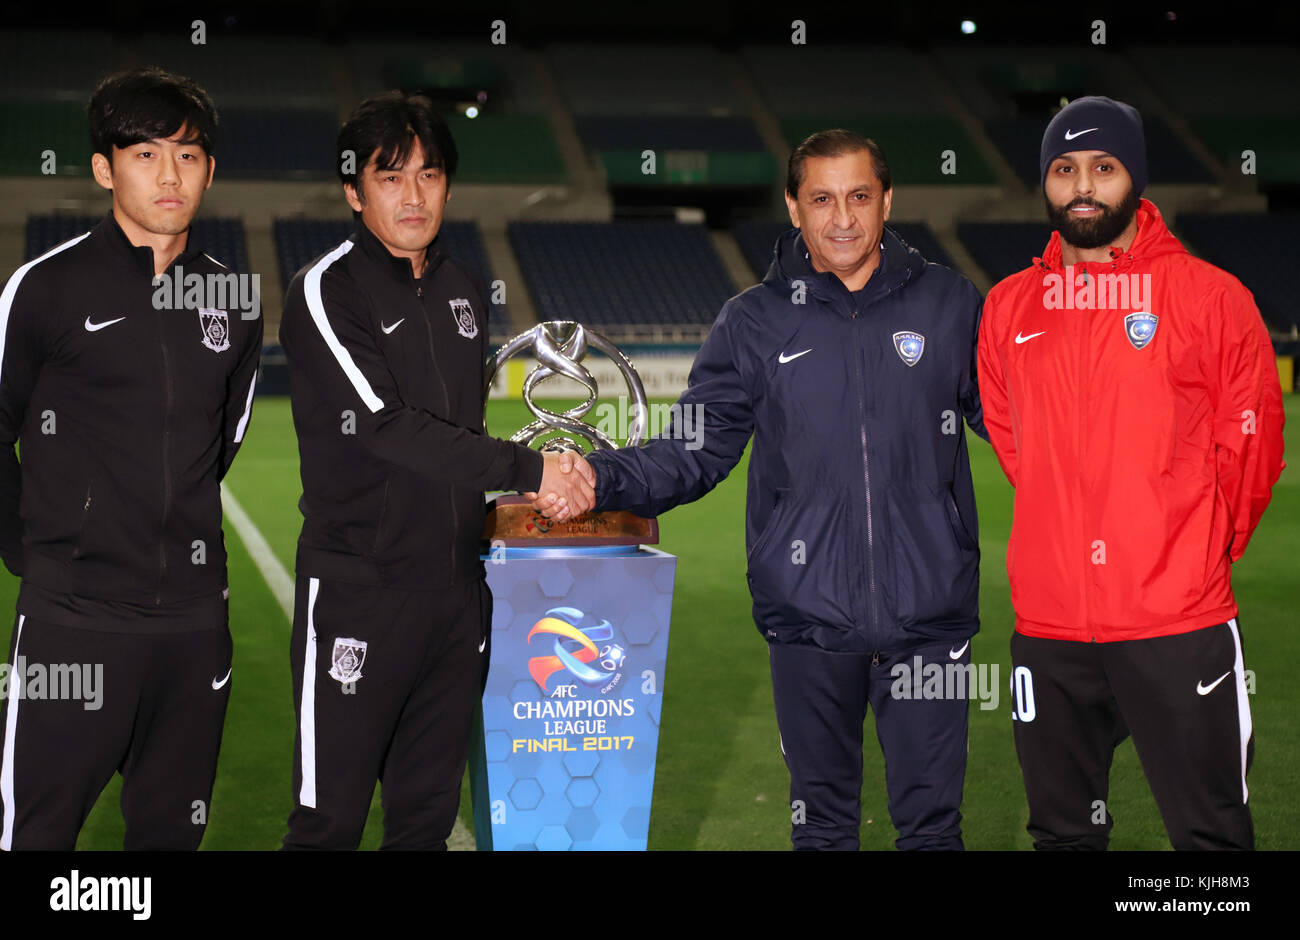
(386, 377)
(129, 414)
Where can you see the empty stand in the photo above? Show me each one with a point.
(621, 273)
(1257, 249)
(1003, 248)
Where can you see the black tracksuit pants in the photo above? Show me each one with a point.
(385, 683)
(821, 703)
(81, 704)
(1182, 697)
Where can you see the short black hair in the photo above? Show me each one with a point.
(387, 127)
(149, 104)
(835, 143)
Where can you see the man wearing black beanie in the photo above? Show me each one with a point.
(1131, 395)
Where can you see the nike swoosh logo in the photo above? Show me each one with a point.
(1207, 689)
(482, 646)
(217, 685)
(389, 329)
(956, 654)
(1069, 135)
(92, 327)
(1021, 338)
(783, 358)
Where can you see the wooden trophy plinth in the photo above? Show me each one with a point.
(512, 521)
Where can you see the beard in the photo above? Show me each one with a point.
(1098, 231)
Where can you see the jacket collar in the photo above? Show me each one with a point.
(379, 255)
(141, 255)
(1153, 239)
(900, 263)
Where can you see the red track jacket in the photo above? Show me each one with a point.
(1135, 407)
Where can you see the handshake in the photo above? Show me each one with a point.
(564, 494)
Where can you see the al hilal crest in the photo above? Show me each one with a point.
(349, 654)
(216, 329)
(910, 346)
(464, 314)
(1140, 328)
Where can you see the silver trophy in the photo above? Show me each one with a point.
(559, 346)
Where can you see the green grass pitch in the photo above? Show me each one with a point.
(720, 781)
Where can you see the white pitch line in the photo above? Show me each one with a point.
(281, 585)
(277, 578)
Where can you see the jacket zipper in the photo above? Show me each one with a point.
(1084, 376)
(167, 478)
(873, 627)
(446, 400)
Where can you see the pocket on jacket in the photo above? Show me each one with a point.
(935, 562)
(773, 521)
(83, 527)
(798, 570)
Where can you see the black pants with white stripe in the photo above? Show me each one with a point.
(1182, 697)
(82, 704)
(385, 683)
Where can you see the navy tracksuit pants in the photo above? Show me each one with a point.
(821, 702)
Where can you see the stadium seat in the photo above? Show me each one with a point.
(1256, 248)
(621, 273)
(1003, 248)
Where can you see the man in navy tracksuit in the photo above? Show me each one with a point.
(851, 364)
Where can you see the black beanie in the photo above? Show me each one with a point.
(1097, 123)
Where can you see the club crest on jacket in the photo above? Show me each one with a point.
(1140, 328)
(345, 663)
(910, 346)
(464, 316)
(216, 329)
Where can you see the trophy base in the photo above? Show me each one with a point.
(513, 522)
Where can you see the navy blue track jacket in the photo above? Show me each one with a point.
(860, 522)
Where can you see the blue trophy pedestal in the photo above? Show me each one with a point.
(563, 751)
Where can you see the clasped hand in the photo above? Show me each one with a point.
(564, 494)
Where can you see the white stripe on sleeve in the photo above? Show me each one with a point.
(248, 410)
(11, 289)
(311, 287)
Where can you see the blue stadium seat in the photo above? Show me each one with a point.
(1256, 248)
(1003, 248)
(621, 273)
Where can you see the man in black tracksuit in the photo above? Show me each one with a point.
(851, 365)
(387, 342)
(130, 410)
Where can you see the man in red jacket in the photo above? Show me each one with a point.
(1131, 394)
